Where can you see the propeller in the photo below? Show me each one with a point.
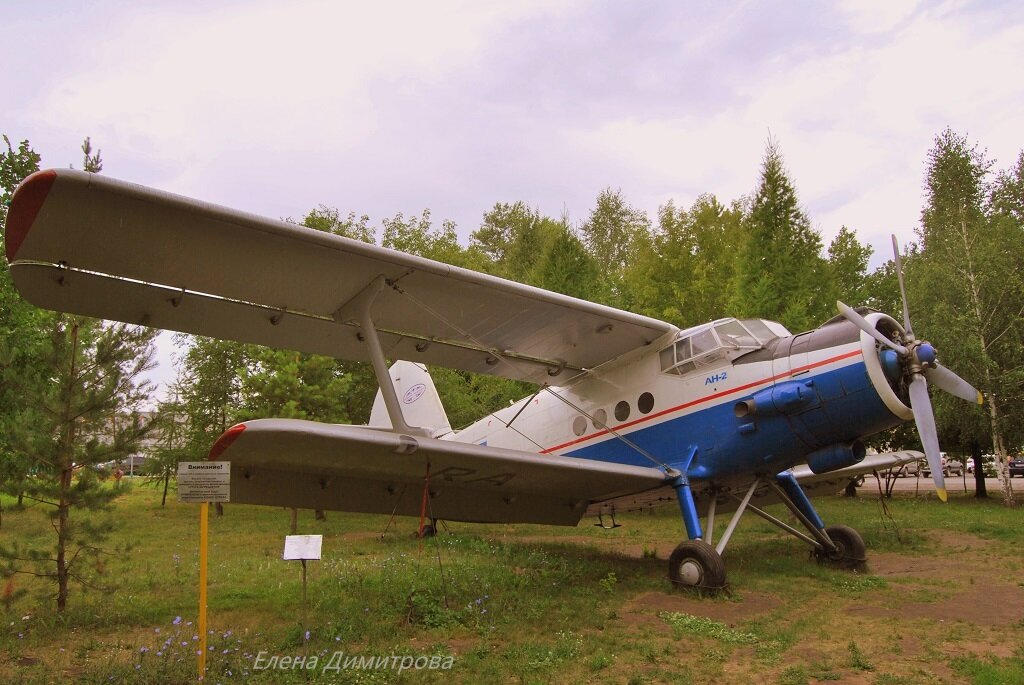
(918, 359)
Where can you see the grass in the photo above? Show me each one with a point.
(515, 603)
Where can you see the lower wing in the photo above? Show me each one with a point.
(730, 492)
(293, 463)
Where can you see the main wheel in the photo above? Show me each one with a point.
(695, 563)
(850, 551)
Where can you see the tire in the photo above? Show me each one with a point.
(696, 564)
(850, 551)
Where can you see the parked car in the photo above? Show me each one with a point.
(989, 462)
(1017, 466)
(949, 467)
(910, 469)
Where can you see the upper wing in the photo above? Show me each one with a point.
(294, 463)
(92, 245)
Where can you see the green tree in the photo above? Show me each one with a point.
(967, 284)
(92, 162)
(91, 417)
(169, 438)
(612, 234)
(848, 267)
(329, 220)
(22, 337)
(210, 389)
(510, 237)
(564, 265)
(14, 166)
(78, 390)
(781, 270)
(683, 275)
(287, 384)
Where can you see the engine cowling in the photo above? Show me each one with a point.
(836, 457)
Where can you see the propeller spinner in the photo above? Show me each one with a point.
(918, 359)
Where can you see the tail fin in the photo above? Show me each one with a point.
(421, 405)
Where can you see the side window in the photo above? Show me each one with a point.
(600, 418)
(579, 425)
(622, 411)
(645, 403)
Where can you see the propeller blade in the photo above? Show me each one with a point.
(862, 323)
(903, 290)
(944, 379)
(925, 420)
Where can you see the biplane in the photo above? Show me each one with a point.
(629, 412)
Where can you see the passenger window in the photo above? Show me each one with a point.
(622, 411)
(579, 425)
(646, 403)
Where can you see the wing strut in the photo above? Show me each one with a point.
(358, 308)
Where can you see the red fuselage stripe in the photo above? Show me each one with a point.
(709, 398)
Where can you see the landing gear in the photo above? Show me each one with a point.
(849, 551)
(696, 564)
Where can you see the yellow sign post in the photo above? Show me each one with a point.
(204, 529)
(201, 483)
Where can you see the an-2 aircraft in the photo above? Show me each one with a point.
(631, 411)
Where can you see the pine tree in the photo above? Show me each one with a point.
(781, 271)
(90, 415)
(83, 413)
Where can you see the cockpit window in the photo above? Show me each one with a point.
(711, 343)
(733, 333)
(760, 330)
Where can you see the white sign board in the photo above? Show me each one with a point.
(302, 547)
(204, 481)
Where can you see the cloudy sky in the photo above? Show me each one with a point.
(380, 108)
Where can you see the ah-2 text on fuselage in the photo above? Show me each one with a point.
(630, 411)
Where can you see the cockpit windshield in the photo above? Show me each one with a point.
(707, 345)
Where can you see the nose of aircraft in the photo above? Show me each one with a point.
(917, 360)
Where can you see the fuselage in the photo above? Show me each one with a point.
(742, 397)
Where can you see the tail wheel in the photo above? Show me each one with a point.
(696, 564)
(850, 551)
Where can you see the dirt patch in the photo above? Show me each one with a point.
(644, 609)
(962, 585)
(994, 604)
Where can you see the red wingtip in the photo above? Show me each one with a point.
(25, 205)
(225, 440)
